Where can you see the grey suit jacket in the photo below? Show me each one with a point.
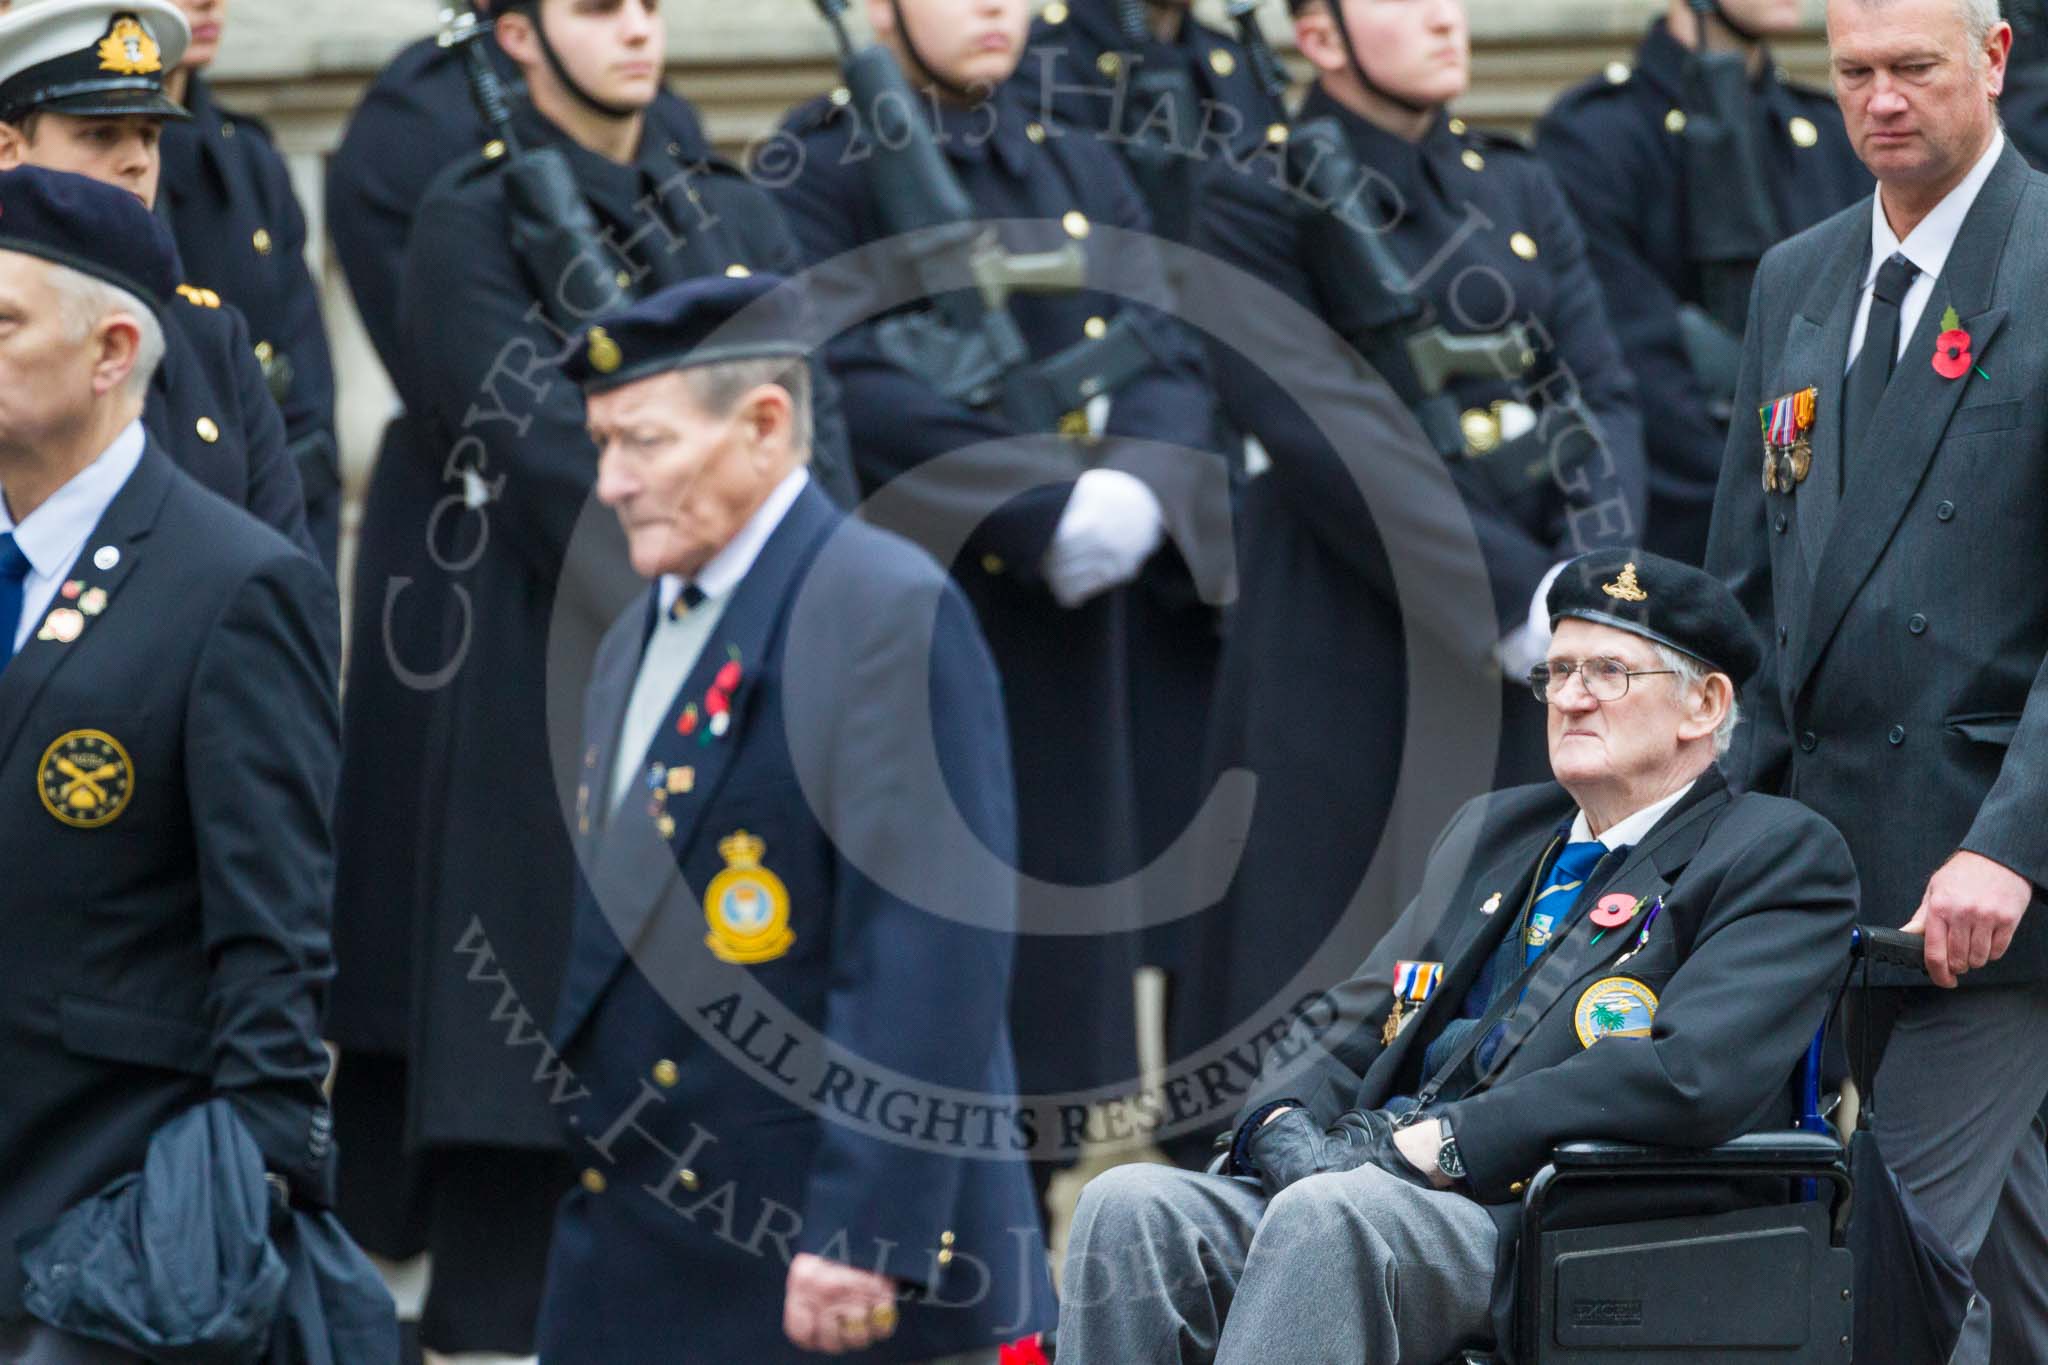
(1899, 589)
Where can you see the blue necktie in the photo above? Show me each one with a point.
(1559, 893)
(13, 573)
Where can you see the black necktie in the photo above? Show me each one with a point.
(1873, 367)
(13, 575)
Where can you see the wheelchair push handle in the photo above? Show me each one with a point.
(1889, 947)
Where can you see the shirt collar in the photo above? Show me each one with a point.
(724, 570)
(1928, 244)
(52, 535)
(1632, 829)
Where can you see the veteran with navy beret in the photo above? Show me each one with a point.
(786, 996)
(1630, 952)
(168, 749)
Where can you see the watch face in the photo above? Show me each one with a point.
(1448, 1161)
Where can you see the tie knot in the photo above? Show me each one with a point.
(13, 563)
(1894, 278)
(687, 601)
(1578, 859)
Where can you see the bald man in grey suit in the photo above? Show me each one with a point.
(1885, 524)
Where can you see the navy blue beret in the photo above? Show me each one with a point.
(704, 321)
(1661, 600)
(92, 227)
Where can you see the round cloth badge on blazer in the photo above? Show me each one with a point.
(1614, 1007)
(747, 906)
(85, 779)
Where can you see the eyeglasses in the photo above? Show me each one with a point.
(1605, 679)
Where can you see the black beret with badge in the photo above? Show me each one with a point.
(94, 228)
(703, 321)
(90, 58)
(1661, 600)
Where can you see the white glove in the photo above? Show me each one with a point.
(1111, 526)
(1528, 644)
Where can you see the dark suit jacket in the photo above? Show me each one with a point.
(179, 951)
(1904, 692)
(859, 665)
(1744, 958)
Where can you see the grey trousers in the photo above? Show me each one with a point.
(1166, 1266)
(1958, 1100)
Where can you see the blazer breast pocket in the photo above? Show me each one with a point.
(1985, 418)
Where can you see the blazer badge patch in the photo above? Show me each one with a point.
(1788, 439)
(85, 779)
(1614, 1007)
(747, 906)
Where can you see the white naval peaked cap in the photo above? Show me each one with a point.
(90, 57)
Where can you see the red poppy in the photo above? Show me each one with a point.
(728, 678)
(1028, 1351)
(717, 702)
(687, 723)
(1952, 357)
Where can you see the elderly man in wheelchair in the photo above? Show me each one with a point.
(1632, 954)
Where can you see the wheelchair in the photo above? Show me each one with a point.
(1718, 1276)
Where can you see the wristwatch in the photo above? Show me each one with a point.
(1447, 1159)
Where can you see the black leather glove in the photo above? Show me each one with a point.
(1292, 1147)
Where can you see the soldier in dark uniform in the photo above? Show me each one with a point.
(511, 466)
(1316, 683)
(1619, 144)
(70, 102)
(1058, 636)
(416, 119)
(229, 201)
(1192, 102)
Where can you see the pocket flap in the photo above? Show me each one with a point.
(1985, 417)
(119, 1033)
(1986, 727)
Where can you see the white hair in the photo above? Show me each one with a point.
(87, 301)
(1979, 18)
(1694, 673)
(717, 388)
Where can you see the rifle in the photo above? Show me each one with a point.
(1369, 305)
(966, 344)
(1163, 168)
(1731, 220)
(1267, 71)
(553, 229)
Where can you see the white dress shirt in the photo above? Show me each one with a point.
(1926, 246)
(672, 651)
(53, 536)
(1632, 829)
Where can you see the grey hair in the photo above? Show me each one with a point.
(86, 302)
(1694, 673)
(1979, 18)
(717, 388)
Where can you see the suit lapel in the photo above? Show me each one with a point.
(611, 688)
(1913, 413)
(634, 868)
(1817, 354)
(1645, 873)
(126, 522)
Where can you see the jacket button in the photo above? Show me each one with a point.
(1917, 623)
(1945, 510)
(945, 1257)
(1518, 1187)
(593, 1180)
(1897, 735)
(687, 1178)
(666, 1074)
(991, 564)
(1808, 742)
(208, 429)
(1779, 524)
(945, 1239)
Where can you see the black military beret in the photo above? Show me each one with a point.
(92, 227)
(91, 58)
(705, 321)
(1662, 600)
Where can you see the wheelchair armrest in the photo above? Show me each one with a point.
(1793, 1149)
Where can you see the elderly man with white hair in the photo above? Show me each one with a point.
(168, 749)
(1631, 952)
(1882, 524)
